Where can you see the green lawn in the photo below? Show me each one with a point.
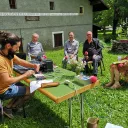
(109, 105)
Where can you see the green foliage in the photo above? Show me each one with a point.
(105, 18)
(109, 37)
(75, 66)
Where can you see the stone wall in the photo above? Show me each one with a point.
(120, 46)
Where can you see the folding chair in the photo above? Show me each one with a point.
(100, 63)
(1, 111)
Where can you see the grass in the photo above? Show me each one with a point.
(108, 34)
(108, 105)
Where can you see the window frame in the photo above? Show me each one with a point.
(53, 5)
(12, 4)
(81, 8)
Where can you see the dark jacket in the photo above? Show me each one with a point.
(97, 46)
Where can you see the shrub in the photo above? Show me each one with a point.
(108, 38)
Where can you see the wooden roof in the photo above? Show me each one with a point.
(98, 5)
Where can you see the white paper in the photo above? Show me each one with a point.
(34, 85)
(108, 125)
(38, 75)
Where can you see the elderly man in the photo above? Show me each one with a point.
(92, 52)
(71, 47)
(10, 86)
(34, 47)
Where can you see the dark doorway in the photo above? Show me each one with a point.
(95, 31)
(58, 39)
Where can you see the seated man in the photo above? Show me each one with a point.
(92, 52)
(71, 47)
(34, 47)
(9, 85)
(115, 71)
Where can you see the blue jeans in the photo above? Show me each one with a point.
(15, 90)
(95, 60)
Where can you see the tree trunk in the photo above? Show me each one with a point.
(115, 22)
(115, 18)
(104, 31)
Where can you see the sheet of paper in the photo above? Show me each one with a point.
(109, 125)
(34, 85)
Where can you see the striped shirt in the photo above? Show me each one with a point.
(71, 47)
(34, 48)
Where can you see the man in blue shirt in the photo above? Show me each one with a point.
(34, 47)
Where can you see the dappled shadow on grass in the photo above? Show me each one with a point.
(39, 115)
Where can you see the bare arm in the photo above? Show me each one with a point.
(6, 79)
(24, 63)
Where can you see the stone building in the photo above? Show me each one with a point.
(53, 30)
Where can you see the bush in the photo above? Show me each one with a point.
(108, 38)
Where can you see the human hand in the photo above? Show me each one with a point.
(37, 67)
(86, 57)
(84, 62)
(29, 73)
(71, 56)
(94, 56)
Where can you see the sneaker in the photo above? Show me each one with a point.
(8, 112)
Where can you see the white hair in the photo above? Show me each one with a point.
(35, 34)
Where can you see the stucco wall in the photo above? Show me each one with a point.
(47, 25)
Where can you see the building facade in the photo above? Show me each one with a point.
(53, 30)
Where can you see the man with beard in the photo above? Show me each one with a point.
(10, 87)
(92, 51)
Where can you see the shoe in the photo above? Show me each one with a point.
(8, 112)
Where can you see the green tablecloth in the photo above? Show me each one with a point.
(60, 75)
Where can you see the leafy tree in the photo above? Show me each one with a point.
(118, 11)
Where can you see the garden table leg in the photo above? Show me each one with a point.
(82, 110)
(70, 112)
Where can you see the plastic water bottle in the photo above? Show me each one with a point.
(29, 57)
